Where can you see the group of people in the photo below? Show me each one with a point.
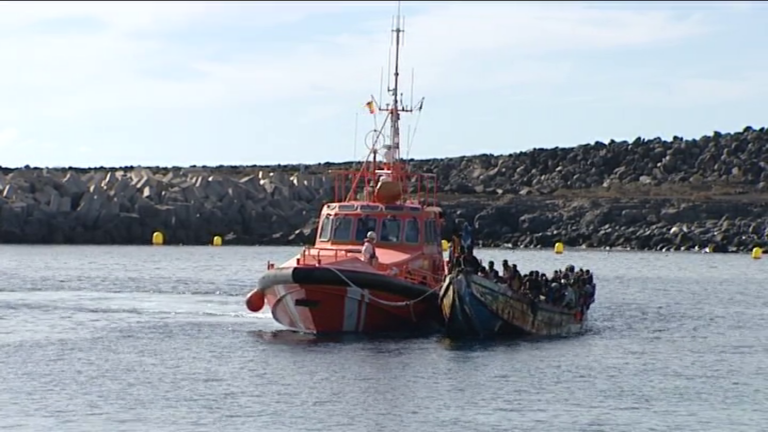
(568, 288)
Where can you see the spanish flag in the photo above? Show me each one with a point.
(371, 106)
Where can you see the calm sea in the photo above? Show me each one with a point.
(157, 339)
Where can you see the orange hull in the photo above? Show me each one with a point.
(318, 299)
(333, 309)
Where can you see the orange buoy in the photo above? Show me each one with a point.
(388, 191)
(255, 301)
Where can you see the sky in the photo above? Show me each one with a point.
(256, 83)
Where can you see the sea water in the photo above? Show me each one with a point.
(158, 339)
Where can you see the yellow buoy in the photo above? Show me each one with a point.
(559, 248)
(446, 245)
(217, 240)
(757, 253)
(157, 238)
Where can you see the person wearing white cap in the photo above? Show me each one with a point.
(369, 250)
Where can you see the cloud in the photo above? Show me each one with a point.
(457, 46)
(454, 47)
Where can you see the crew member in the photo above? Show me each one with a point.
(369, 250)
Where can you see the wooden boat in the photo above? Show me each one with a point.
(474, 306)
(328, 287)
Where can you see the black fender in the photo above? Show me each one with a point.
(322, 275)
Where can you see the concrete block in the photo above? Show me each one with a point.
(140, 182)
(110, 180)
(74, 183)
(191, 192)
(149, 193)
(121, 187)
(280, 178)
(9, 192)
(215, 190)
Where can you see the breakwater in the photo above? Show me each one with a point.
(646, 194)
(126, 206)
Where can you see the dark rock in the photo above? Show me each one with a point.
(646, 194)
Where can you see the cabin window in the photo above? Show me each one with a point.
(436, 232)
(365, 224)
(429, 236)
(347, 207)
(412, 230)
(394, 208)
(368, 208)
(325, 228)
(390, 230)
(342, 228)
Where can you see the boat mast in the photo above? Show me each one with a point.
(392, 150)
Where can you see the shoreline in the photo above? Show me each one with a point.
(568, 250)
(710, 192)
(192, 206)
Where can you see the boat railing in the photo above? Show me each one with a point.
(351, 185)
(422, 277)
(316, 254)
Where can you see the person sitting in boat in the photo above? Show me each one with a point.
(506, 271)
(544, 284)
(369, 250)
(492, 273)
(483, 272)
(570, 301)
(469, 261)
(530, 284)
(515, 278)
(552, 291)
(454, 250)
(535, 287)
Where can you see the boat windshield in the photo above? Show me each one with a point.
(429, 233)
(364, 225)
(352, 228)
(342, 228)
(390, 230)
(412, 230)
(325, 228)
(435, 232)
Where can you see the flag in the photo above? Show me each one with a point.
(371, 106)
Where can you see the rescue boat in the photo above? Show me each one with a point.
(330, 287)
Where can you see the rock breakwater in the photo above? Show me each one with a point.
(719, 163)
(709, 192)
(732, 162)
(719, 225)
(189, 206)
